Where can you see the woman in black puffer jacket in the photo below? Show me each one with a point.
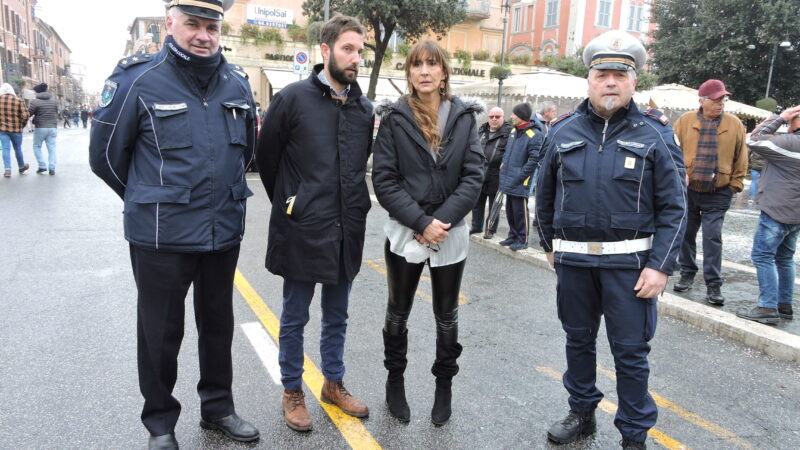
(428, 172)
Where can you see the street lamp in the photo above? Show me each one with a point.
(504, 7)
(784, 44)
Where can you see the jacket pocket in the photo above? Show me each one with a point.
(630, 161)
(633, 221)
(236, 120)
(146, 193)
(572, 158)
(240, 191)
(171, 125)
(568, 219)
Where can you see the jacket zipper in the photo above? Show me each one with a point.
(603, 142)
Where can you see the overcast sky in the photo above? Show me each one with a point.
(96, 31)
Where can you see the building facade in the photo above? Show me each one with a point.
(16, 41)
(549, 28)
(52, 65)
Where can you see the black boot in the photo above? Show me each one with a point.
(441, 411)
(394, 352)
(572, 427)
(445, 368)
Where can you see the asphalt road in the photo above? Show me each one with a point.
(67, 346)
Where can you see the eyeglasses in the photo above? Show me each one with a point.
(495, 117)
(433, 247)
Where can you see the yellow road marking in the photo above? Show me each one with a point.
(352, 429)
(606, 406)
(377, 265)
(687, 415)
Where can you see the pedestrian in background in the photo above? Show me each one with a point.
(44, 110)
(517, 173)
(84, 115)
(611, 215)
(778, 198)
(172, 136)
(312, 158)
(494, 136)
(547, 111)
(715, 153)
(13, 116)
(428, 171)
(66, 116)
(76, 115)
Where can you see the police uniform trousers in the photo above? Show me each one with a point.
(706, 209)
(517, 215)
(163, 279)
(585, 294)
(297, 297)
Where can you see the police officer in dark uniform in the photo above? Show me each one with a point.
(611, 207)
(172, 137)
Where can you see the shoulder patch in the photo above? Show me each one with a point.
(658, 115)
(561, 117)
(238, 70)
(107, 96)
(134, 60)
(530, 133)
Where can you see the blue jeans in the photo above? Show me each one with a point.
(7, 139)
(297, 297)
(754, 176)
(48, 135)
(773, 255)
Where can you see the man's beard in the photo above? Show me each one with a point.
(338, 73)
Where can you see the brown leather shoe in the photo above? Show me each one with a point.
(335, 392)
(24, 168)
(294, 410)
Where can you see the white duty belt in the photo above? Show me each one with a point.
(603, 248)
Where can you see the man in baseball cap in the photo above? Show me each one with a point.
(715, 151)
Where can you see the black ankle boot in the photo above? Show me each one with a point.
(394, 351)
(396, 399)
(441, 411)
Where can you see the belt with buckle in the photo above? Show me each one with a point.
(603, 248)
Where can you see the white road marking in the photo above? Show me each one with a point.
(265, 348)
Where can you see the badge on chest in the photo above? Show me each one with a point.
(630, 163)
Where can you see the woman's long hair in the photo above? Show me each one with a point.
(424, 114)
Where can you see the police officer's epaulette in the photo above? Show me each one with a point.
(561, 117)
(133, 60)
(238, 70)
(658, 115)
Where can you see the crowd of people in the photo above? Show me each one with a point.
(617, 189)
(41, 114)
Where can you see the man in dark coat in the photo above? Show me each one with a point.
(312, 158)
(516, 173)
(172, 136)
(493, 135)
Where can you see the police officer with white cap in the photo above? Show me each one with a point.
(611, 207)
(172, 137)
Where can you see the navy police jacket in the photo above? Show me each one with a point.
(520, 159)
(612, 180)
(176, 157)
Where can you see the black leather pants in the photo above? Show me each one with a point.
(403, 278)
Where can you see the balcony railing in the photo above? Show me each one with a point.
(478, 9)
